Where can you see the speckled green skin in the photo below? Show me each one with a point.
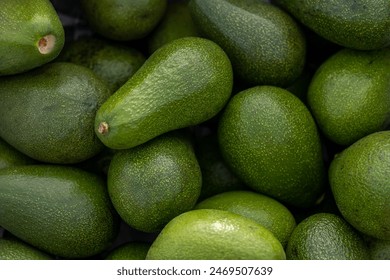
(184, 83)
(356, 24)
(48, 113)
(210, 234)
(123, 20)
(326, 236)
(262, 209)
(176, 23)
(60, 210)
(9, 156)
(153, 183)
(264, 43)
(22, 24)
(14, 249)
(349, 95)
(359, 178)
(129, 251)
(112, 62)
(271, 142)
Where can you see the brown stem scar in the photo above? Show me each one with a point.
(46, 44)
(103, 128)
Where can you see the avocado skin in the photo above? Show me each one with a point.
(9, 156)
(184, 83)
(58, 209)
(22, 24)
(123, 20)
(113, 62)
(154, 182)
(270, 140)
(48, 113)
(15, 249)
(356, 24)
(349, 95)
(265, 45)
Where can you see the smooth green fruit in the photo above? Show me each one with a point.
(262, 209)
(216, 175)
(264, 43)
(176, 23)
(31, 34)
(123, 20)
(129, 251)
(210, 234)
(271, 142)
(60, 210)
(359, 178)
(48, 113)
(14, 249)
(113, 62)
(9, 156)
(326, 236)
(356, 24)
(154, 182)
(349, 95)
(184, 83)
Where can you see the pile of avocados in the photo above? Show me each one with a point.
(188, 130)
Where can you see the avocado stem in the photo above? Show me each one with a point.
(103, 128)
(46, 44)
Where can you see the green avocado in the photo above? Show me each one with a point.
(152, 183)
(31, 34)
(271, 142)
(113, 62)
(356, 24)
(48, 113)
(15, 249)
(123, 20)
(9, 156)
(184, 83)
(60, 210)
(265, 45)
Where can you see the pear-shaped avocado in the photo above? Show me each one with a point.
(184, 83)
(61, 210)
(31, 34)
(356, 24)
(264, 43)
(48, 113)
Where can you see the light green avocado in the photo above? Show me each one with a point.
(113, 62)
(265, 45)
(152, 183)
(14, 249)
(129, 251)
(9, 156)
(48, 113)
(60, 210)
(123, 20)
(184, 83)
(349, 95)
(31, 34)
(356, 24)
(271, 142)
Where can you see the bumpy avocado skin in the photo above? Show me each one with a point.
(265, 45)
(362, 24)
(15, 249)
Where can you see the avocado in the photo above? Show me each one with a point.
(113, 62)
(129, 251)
(176, 23)
(31, 34)
(270, 141)
(154, 182)
(9, 156)
(60, 210)
(264, 43)
(349, 95)
(48, 113)
(182, 84)
(15, 249)
(355, 24)
(123, 20)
